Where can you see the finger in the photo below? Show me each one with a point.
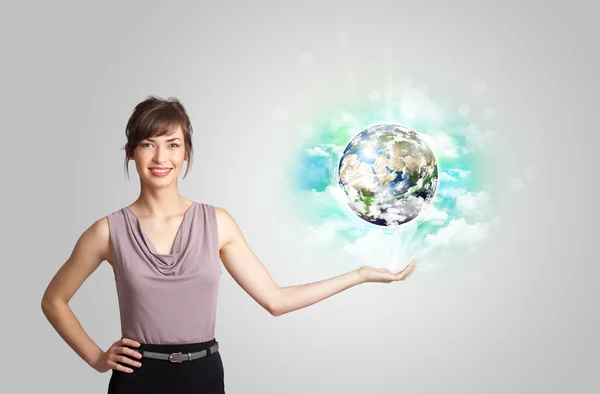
(119, 367)
(411, 266)
(404, 270)
(410, 272)
(399, 273)
(129, 342)
(131, 352)
(408, 267)
(405, 273)
(128, 351)
(128, 361)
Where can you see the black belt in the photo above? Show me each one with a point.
(180, 357)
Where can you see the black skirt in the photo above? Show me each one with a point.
(202, 376)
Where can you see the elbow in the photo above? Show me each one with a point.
(49, 305)
(276, 307)
(275, 304)
(46, 306)
(274, 310)
(47, 301)
(276, 313)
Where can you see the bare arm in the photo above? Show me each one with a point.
(247, 270)
(90, 251)
(242, 263)
(292, 298)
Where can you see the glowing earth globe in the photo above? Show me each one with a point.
(388, 174)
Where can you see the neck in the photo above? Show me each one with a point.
(160, 202)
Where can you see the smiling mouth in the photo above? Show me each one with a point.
(160, 172)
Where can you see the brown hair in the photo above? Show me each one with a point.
(156, 117)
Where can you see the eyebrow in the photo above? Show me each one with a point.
(169, 140)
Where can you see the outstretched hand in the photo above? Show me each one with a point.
(372, 274)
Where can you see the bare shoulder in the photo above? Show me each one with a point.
(227, 227)
(101, 234)
(96, 239)
(91, 249)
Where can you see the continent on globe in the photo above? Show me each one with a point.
(388, 174)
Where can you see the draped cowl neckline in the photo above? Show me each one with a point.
(166, 264)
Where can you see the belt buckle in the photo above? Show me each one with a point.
(174, 361)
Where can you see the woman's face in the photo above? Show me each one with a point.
(167, 152)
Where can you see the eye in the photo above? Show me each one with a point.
(147, 143)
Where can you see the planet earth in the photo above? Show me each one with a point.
(388, 173)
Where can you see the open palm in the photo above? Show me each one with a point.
(372, 274)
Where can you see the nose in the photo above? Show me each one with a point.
(160, 156)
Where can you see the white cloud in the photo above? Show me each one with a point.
(461, 173)
(442, 145)
(327, 199)
(433, 215)
(451, 174)
(326, 233)
(444, 176)
(473, 204)
(380, 249)
(458, 232)
(450, 191)
(317, 151)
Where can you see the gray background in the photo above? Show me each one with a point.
(516, 316)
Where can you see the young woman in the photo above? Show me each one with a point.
(166, 253)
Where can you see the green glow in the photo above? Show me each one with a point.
(458, 143)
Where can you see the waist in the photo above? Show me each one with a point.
(176, 347)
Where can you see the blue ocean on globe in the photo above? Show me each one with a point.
(389, 174)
